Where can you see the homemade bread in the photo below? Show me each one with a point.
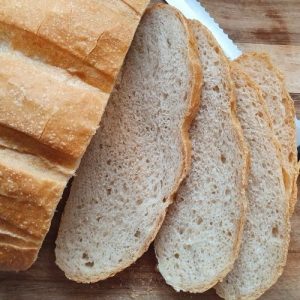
(47, 114)
(199, 240)
(139, 155)
(266, 234)
(281, 110)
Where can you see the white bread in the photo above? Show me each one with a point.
(266, 234)
(281, 110)
(199, 240)
(139, 155)
(47, 113)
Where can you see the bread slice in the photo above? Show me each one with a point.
(49, 51)
(138, 157)
(199, 240)
(266, 234)
(281, 109)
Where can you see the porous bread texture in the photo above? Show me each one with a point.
(200, 237)
(281, 110)
(266, 233)
(139, 155)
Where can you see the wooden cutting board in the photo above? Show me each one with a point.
(270, 25)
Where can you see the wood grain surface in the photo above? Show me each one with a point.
(267, 25)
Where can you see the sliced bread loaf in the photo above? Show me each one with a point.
(53, 55)
(281, 110)
(139, 155)
(266, 233)
(199, 240)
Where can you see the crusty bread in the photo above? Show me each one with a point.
(281, 109)
(47, 119)
(48, 115)
(139, 155)
(199, 240)
(88, 38)
(266, 234)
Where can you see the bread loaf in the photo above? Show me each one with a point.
(199, 240)
(59, 60)
(139, 155)
(266, 234)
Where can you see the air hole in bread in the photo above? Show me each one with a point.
(108, 191)
(179, 82)
(137, 234)
(176, 255)
(199, 220)
(85, 255)
(139, 201)
(185, 96)
(216, 89)
(223, 158)
(89, 264)
(165, 96)
(260, 114)
(164, 200)
(187, 247)
(275, 231)
(169, 43)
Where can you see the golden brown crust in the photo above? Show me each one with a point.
(48, 115)
(291, 160)
(97, 33)
(194, 101)
(14, 258)
(46, 106)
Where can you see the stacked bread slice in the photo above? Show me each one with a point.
(59, 60)
(199, 240)
(281, 110)
(266, 234)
